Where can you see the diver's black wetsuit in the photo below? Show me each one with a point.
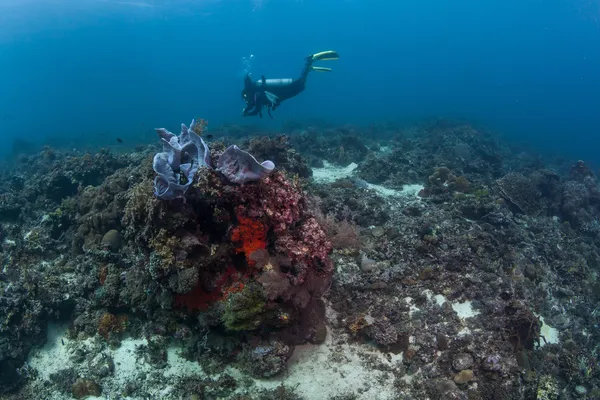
(270, 93)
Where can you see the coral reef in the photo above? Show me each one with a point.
(439, 263)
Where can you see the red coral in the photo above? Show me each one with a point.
(251, 234)
(200, 299)
(197, 299)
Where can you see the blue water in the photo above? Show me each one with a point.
(86, 71)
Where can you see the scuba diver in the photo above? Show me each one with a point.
(270, 93)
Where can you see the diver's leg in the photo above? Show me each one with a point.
(283, 89)
(308, 61)
(297, 85)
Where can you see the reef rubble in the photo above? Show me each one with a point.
(334, 263)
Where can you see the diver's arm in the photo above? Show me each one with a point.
(246, 109)
(250, 113)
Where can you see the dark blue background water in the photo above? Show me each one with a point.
(98, 69)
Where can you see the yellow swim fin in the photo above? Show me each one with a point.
(326, 55)
(321, 69)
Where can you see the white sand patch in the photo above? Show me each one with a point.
(385, 192)
(407, 191)
(463, 332)
(315, 371)
(413, 309)
(439, 299)
(321, 371)
(54, 355)
(179, 365)
(126, 363)
(330, 173)
(549, 333)
(464, 310)
(412, 190)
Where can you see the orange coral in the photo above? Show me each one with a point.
(252, 236)
(111, 324)
(102, 273)
(358, 324)
(200, 126)
(235, 287)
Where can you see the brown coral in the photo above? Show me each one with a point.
(141, 211)
(83, 388)
(462, 184)
(110, 324)
(164, 246)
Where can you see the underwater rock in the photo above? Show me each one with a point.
(383, 332)
(9, 376)
(446, 388)
(378, 231)
(576, 198)
(112, 240)
(320, 334)
(184, 281)
(102, 366)
(367, 265)
(580, 390)
(462, 361)
(11, 206)
(579, 171)
(464, 376)
(83, 388)
(279, 150)
(266, 360)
